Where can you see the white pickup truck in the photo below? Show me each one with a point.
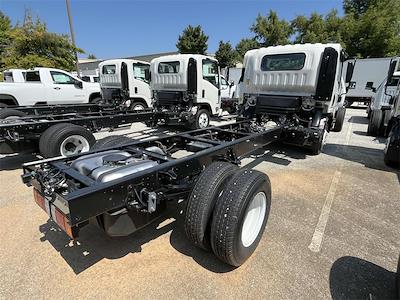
(48, 86)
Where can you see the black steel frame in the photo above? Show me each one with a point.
(32, 127)
(37, 110)
(171, 178)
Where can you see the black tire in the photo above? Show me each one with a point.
(229, 216)
(7, 113)
(96, 100)
(317, 146)
(374, 123)
(111, 141)
(201, 202)
(341, 113)
(392, 150)
(52, 139)
(198, 124)
(138, 106)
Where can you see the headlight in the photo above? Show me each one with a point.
(194, 110)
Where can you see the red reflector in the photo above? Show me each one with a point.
(54, 213)
(39, 199)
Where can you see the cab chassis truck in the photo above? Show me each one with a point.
(122, 185)
(62, 134)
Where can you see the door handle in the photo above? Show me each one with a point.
(135, 90)
(203, 94)
(57, 88)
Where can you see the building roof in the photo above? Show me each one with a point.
(92, 64)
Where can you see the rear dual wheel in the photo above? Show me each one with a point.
(228, 210)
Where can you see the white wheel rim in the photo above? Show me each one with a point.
(203, 120)
(254, 219)
(138, 107)
(74, 144)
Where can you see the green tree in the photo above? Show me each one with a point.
(226, 55)
(358, 7)
(317, 28)
(271, 31)
(192, 40)
(373, 30)
(5, 28)
(91, 56)
(31, 45)
(245, 45)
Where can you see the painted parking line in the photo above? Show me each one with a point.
(318, 236)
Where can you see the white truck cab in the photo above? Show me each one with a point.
(48, 86)
(187, 86)
(298, 86)
(126, 80)
(14, 75)
(227, 88)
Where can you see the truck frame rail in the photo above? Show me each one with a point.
(81, 198)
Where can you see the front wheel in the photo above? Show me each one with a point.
(138, 106)
(392, 149)
(202, 119)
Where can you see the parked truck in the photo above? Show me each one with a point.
(299, 87)
(392, 147)
(123, 184)
(48, 86)
(186, 88)
(380, 108)
(368, 73)
(126, 80)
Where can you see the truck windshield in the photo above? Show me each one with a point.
(109, 69)
(283, 62)
(210, 72)
(168, 67)
(140, 70)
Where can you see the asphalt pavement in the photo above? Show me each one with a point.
(333, 232)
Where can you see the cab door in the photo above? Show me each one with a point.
(66, 89)
(210, 85)
(141, 82)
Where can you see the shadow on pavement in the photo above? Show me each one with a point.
(93, 245)
(358, 120)
(277, 153)
(355, 278)
(369, 157)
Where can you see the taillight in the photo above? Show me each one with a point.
(55, 214)
(39, 199)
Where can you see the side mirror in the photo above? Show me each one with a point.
(391, 100)
(78, 84)
(349, 71)
(392, 68)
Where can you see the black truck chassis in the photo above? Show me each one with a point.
(23, 133)
(81, 199)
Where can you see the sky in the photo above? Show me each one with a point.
(121, 28)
